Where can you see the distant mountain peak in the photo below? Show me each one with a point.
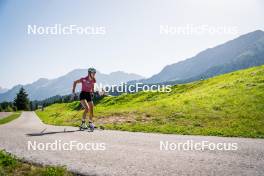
(3, 90)
(44, 88)
(252, 35)
(42, 80)
(117, 72)
(257, 31)
(128, 74)
(234, 53)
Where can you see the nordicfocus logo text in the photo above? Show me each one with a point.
(59, 29)
(67, 146)
(131, 88)
(191, 145)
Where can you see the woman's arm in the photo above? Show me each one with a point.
(74, 85)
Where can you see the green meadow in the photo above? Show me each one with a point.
(227, 105)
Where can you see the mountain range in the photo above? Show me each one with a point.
(240, 53)
(44, 88)
(3, 90)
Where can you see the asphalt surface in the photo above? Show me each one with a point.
(128, 153)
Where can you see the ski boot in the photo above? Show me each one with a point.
(83, 126)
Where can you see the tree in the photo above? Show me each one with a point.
(21, 101)
(9, 109)
(31, 106)
(7, 106)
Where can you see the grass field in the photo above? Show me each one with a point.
(226, 105)
(11, 166)
(10, 117)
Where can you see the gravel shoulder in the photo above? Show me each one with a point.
(128, 153)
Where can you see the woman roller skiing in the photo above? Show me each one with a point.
(86, 97)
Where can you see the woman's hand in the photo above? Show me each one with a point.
(73, 96)
(74, 85)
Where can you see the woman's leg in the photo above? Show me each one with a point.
(90, 106)
(86, 109)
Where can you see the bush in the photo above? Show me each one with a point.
(9, 109)
(54, 171)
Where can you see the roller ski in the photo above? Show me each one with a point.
(89, 127)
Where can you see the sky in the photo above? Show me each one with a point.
(133, 41)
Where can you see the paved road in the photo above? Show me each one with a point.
(129, 153)
(4, 114)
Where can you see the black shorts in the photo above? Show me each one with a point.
(88, 96)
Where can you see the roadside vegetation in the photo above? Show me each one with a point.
(9, 118)
(11, 166)
(226, 105)
(7, 107)
(21, 102)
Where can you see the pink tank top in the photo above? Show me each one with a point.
(87, 84)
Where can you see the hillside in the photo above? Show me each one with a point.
(240, 53)
(44, 88)
(226, 105)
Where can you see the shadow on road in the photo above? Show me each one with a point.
(52, 132)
